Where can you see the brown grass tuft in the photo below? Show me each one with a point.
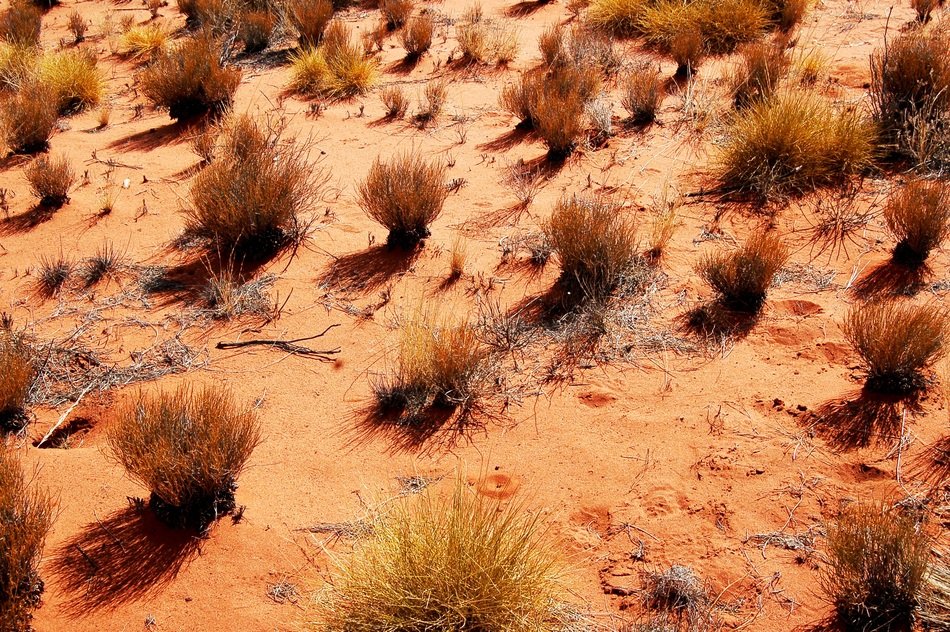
(877, 568)
(618, 17)
(483, 41)
(396, 12)
(896, 343)
(416, 37)
(918, 217)
(338, 68)
(256, 29)
(925, 8)
(188, 448)
(405, 195)
(78, 26)
(762, 65)
(741, 278)
(642, 92)
(17, 371)
(20, 24)
(310, 18)
(395, 101)
(595, 245)
(50, 180)
(26, 515)
(460, 562)
(189, 80)
(29, 118)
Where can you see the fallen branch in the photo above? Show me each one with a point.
(65, 415)
(290, 346)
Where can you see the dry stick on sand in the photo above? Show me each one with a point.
(289, 346)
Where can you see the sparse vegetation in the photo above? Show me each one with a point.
(896, 342)
(50, 180)
(17, 371)
(144, 42)
(188, 448)
(338, 68)
(77, 26)
(918, 216)
(741, 277)
(595, 245)
(405, 195)
(925, 8)
(17, 66)
(396, 12)
(189, 80)
(642, 94)
(435, 94)
(395, 101)
(877, 568)
(416, 37)
(483, 41)
(29, 118)
(26, 515)
(107, 262)
(679, 592)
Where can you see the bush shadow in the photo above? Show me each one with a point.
(368, 270)
(715, 319)
(891, 278)
(862, 419)
(170, 134)
(125, 557)
(27, 221)
(432, 429)
(508, 140)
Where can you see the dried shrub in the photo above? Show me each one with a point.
(256, 30)
(918, 217)
(396, 12)
(78, 26)
(642, 92)
(741, 278)
(896, 343)
(29, 118)
(435, 95)
(20, 24)
(679, 592)
(910, 96)
(50, 180)
(787, 14)
(52, 275)
(251, 198)
(26, 515)
(107, 262)
(666, 218)
(214, 16)
(416, 37)
(188, 448)
(17, 372)
(189, 80)
(395, 101)
(721, 25)
(792, 143)
(762, 65)
(924, 8)
(338, 68)
(595, 245)
(877, 568)
(144, 42)
(73, 78)
(458, 255)
(405, 195)
(17, 66)
(470, 564)
(559, 118)
(483, 41)
(310, 18)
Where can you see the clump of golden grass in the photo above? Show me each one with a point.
(50, 180)
(619, 17)
(78, 26)
(338, 68)
(396, 12)
(794, 142)
(762, 65)
(144, 42)
(741, 278)
(188, 448)
(251, 198)
(395, 101)
(17, 372)
(810, 66)
(665, 220)
(595, 245)
(918, 217)
(642, 92)
(877, 567)
(189, 80)
(29, 118)
(26, 515)
(310, 18)
(458, 255)
(255, 30)
(896, 343)
(405, 195)
(17, 65)
(910, 95)
(579, 46)
(73, 77)
(416, 37)
(483, 41)
(20, 24)
(460, 563)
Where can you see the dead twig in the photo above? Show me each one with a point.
(290, 346)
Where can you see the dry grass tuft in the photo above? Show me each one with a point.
(918, 217)
(665, 220)
(17, 66)
(925, 8)
(396, 12)
(188, 448)
(595, 245)
(310, 18)
(189, 80)
(250, 200)
(461, 563)
(484, 41)
(256, 29)
(338, 68)
(792, 143)
(73, 78)
(679, 592)
(395, 101)
(20, 24)
(50, 180)
(405, 195)
(17, 372)
(458, 255)
(144, 42)
(787, 14)
(78, 26)
(107, 262)
(896, 343)
(416, 37)
(642, 92)
(877, 568)
(52, 275)
(435, 95)
(26, 515)
(29, 118)
(741, 278)
(618, 17)
(762, 66)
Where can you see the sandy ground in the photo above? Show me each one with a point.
(667, 456)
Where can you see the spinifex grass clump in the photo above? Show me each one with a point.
(26, 514)
(17, 372)
(918, 217)
(405, 195)
(29, 118)
(73, 78)
(188, 448)
(250, 199)
(338, 68)
(877, 568)
(897, 341)
(595, 245)
(462, 563)
(50, 180)
(741, 278)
